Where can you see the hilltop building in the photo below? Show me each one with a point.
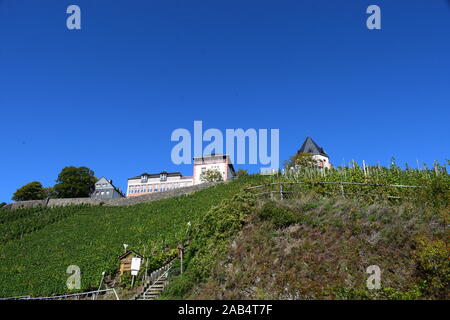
(318, 153)
(156, 182)
(219, 162)
(104, 189)
(149, 183)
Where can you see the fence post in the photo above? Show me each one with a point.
(342, 190)
(281, 191)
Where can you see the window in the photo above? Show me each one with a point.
(163, 177)
(144, 179)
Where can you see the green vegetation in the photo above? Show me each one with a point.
(16, 223)
(30, 191)
(92, 238)
(434, 183)
(75, 182)
(242, 172)
(210, 243)
(316, 244)
(315, 247)
(211, 176)
(312, 244)
(300, 160)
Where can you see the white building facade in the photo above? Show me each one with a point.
(219, 162)
(149, 183)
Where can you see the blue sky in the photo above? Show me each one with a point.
(109, 96)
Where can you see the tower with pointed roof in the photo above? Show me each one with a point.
(317, 153)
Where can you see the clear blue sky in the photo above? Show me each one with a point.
(109, 96)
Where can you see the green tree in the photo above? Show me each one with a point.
(300, 159)
(51, 193)
(211, 176)
(30, 191)
(3, 204)
(242, 172)
(75, 182)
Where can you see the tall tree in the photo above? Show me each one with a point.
(30, 191)
(75, 182)
(300, 159)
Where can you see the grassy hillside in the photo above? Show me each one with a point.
(319, 248)
(37, 245)
(317, 244)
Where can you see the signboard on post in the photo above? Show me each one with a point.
(135, 266)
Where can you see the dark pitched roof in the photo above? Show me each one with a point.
(130, 252)
(156, 175)
(309, 146)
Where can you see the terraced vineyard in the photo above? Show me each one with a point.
(37, 245)
(92, 238)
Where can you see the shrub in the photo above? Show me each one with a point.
(211, 176)
(210, 239)
(279, 216)
(433, 257)
(30, 191)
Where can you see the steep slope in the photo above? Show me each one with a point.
(34, 262)
(314, 247)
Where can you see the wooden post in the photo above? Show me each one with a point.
(146, 268)
(281, 191)
(180, 255)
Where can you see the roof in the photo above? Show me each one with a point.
(213, 155)
(157, 175)
(309, 146)
(130, 252)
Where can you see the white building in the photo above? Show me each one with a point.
(219, 162)
(148, 183)
(317, 153)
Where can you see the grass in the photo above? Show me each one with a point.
(315, 247)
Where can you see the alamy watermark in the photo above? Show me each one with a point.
(374, 280)
(236, 142)
(74, 280)
(73, 21)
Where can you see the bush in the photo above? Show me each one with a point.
(433, 257)
(210, 239)
(280, 217)
(211, 176)
(30, 191)
(180, 286)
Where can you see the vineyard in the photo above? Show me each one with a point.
(14, 224)
(39, 244)
(431, 186)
